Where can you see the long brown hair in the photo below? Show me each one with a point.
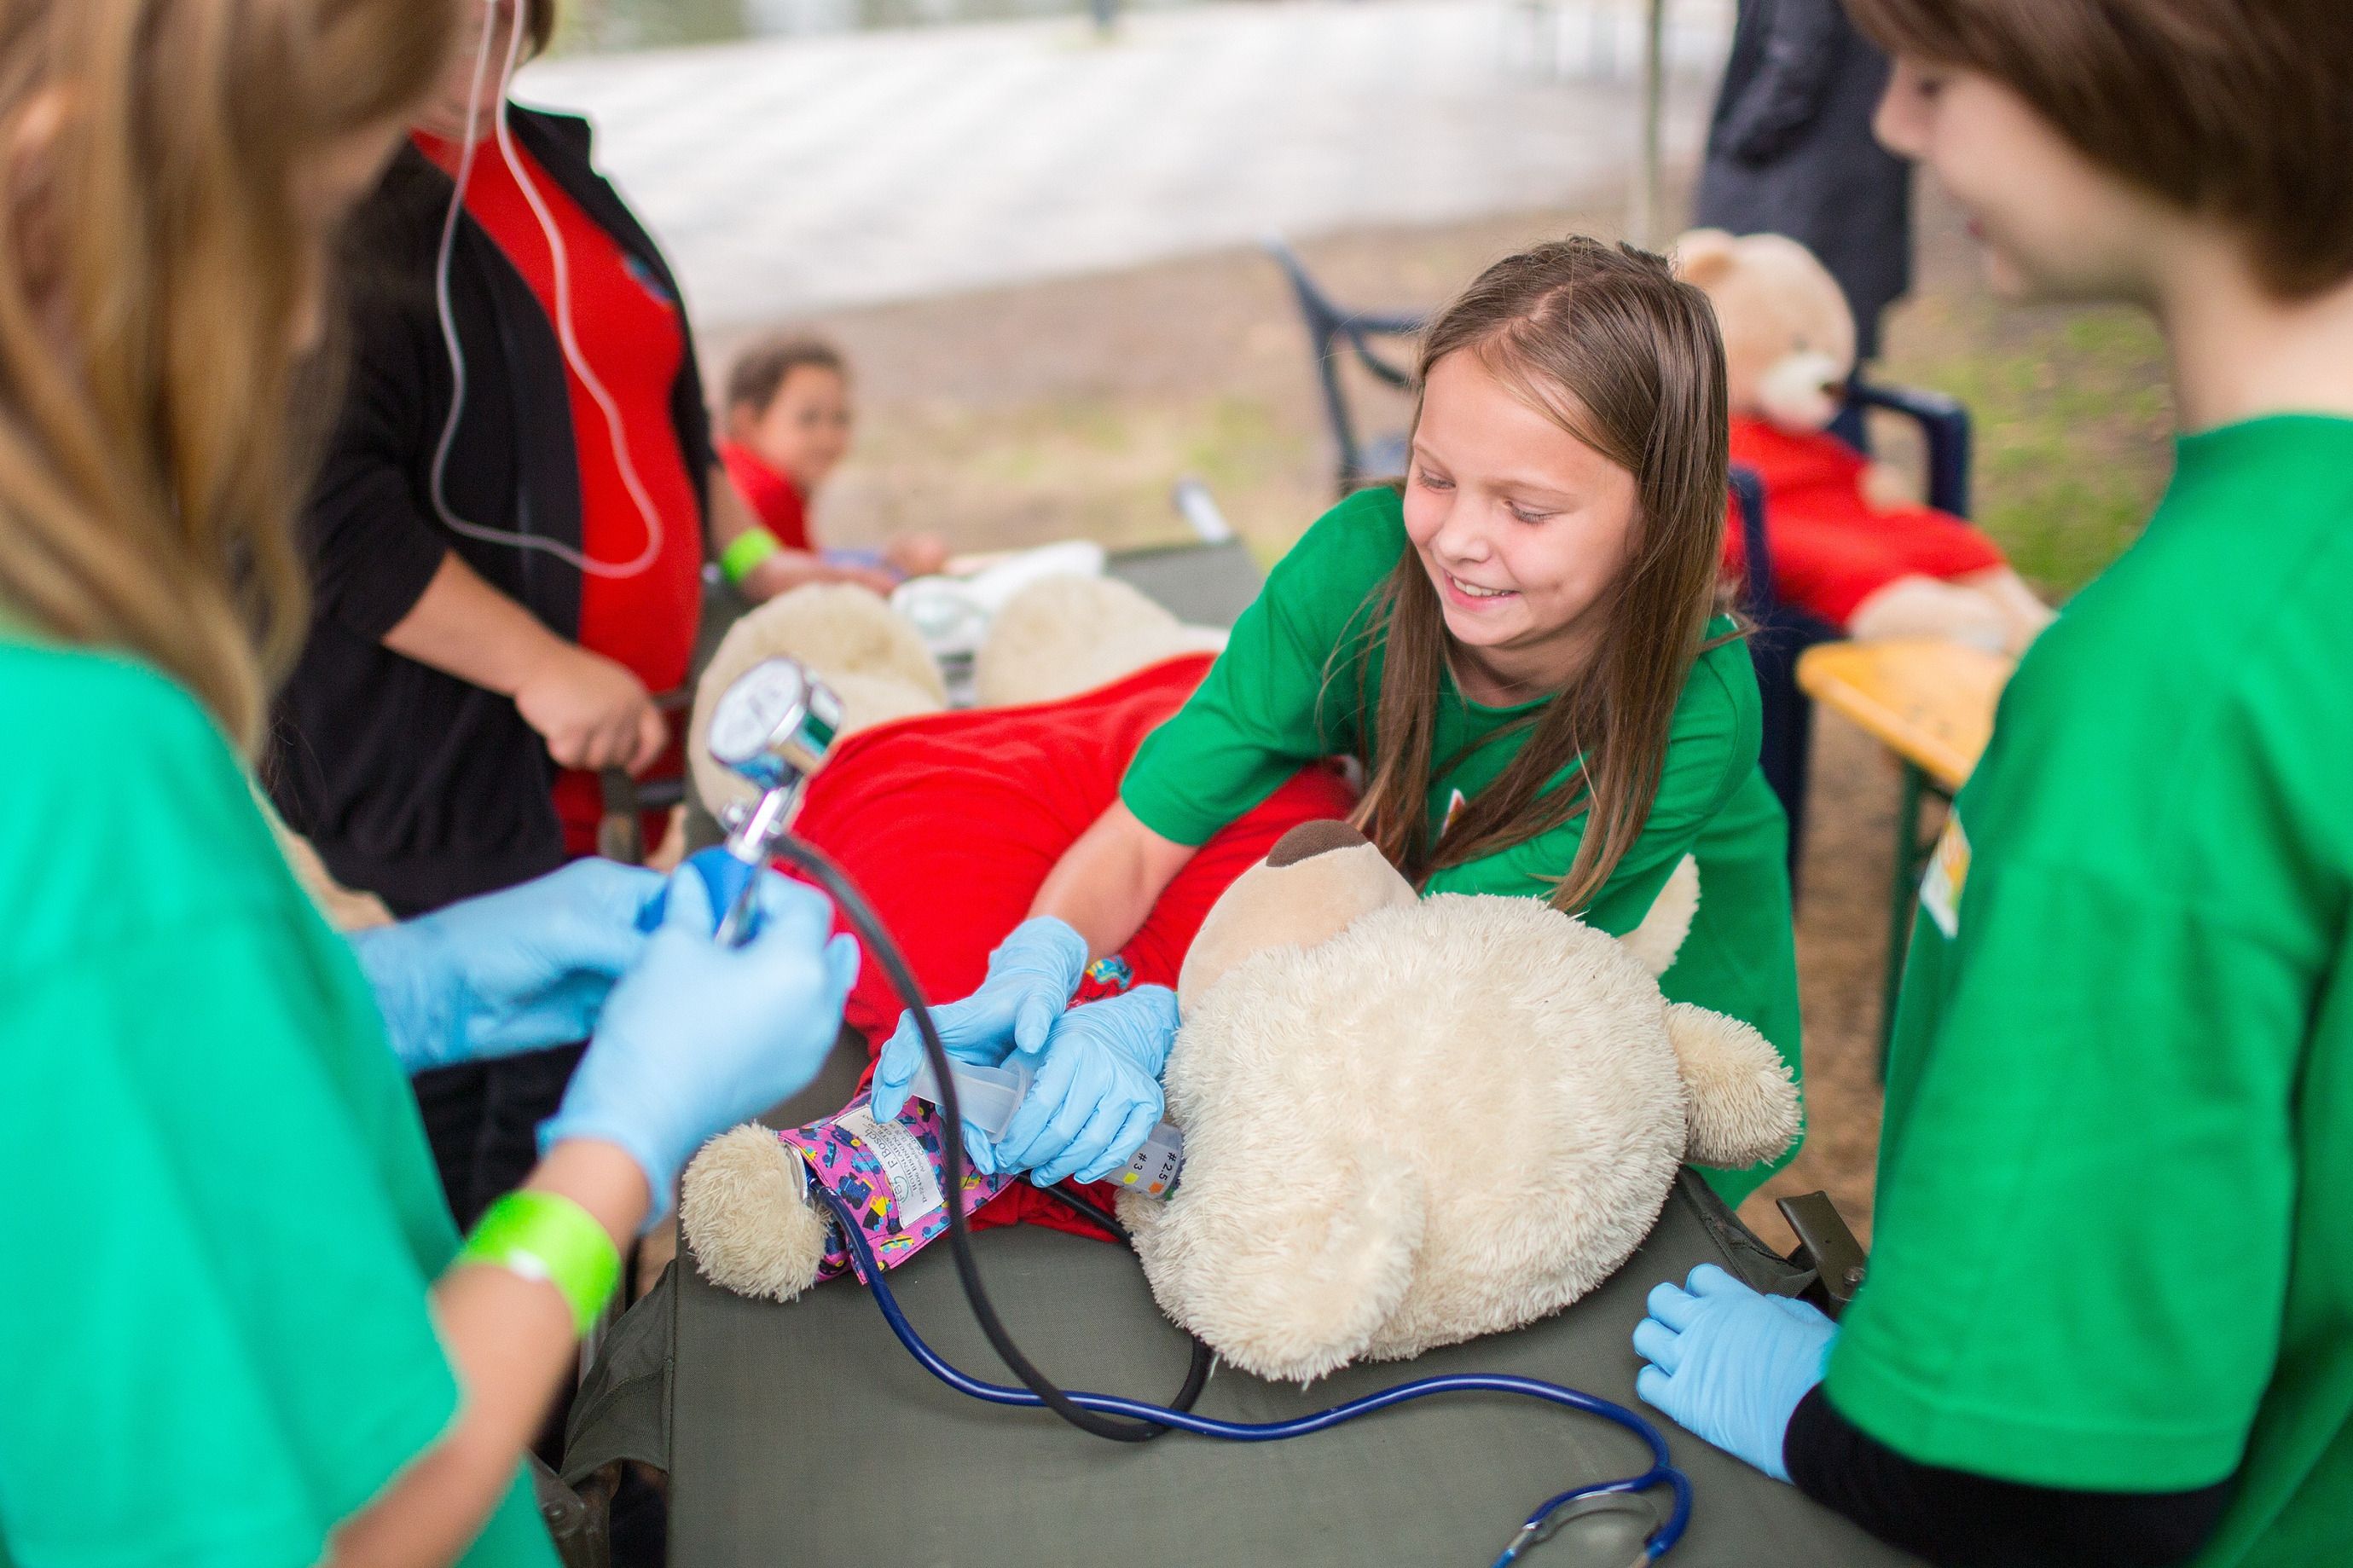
(160, 248)
(1605, 341)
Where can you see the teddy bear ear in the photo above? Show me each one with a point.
(1741, 1103)
(1660, 935)
(1704, 256)
(745, 1210)
(1317, 879)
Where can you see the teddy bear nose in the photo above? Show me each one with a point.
(1310, 839)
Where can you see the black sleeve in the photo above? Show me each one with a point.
(1792, 82)
(372, 547)
(1958, 1519)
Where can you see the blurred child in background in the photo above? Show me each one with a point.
(787, 427)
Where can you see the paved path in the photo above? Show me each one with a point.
(794, 175)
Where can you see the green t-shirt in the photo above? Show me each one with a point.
(1266, 708)
(216, 1325)
(2115, 1221)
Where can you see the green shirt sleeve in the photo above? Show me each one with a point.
(1284, 691)
(225, 1346)
(1711, 746)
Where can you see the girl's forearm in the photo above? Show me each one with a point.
(512, 1343)
(1105, 884)
(787, 570)
(790, 569)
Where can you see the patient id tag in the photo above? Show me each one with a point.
(1947, 878)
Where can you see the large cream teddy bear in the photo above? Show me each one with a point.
(1408, 1122)
(1847, 545)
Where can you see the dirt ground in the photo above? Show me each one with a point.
(1071, 407)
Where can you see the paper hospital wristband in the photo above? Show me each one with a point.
(751, 547)
(543, 1236)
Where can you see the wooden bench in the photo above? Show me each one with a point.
(1931, 704)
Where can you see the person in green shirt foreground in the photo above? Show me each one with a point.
(1521, 648)
(2109, 1315)
(254, 1338)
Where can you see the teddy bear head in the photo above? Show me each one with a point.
(1409, 1121)
(1789, 336)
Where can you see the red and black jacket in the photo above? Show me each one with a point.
(412, 783)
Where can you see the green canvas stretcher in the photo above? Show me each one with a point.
(803, 1434)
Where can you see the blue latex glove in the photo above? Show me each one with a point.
(699, 1038)
(1731, 1364)
(1031, 978)
(1096, 1095)
(513, 971)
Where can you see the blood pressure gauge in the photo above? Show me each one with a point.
(773, 728)
(775, 725)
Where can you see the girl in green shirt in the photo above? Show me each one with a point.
(241, 1329)
(1521, 647)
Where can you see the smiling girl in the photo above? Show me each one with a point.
(1521, 648)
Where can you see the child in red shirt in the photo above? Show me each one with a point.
(787, 427)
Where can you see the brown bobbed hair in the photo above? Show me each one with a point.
(2236, 109)
(162, 246)
(1608, 342)
(760, 371)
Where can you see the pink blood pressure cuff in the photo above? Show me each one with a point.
(888, 1175)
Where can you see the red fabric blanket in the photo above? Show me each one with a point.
(949, 823)
(1831, 550)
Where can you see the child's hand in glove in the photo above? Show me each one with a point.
(1096, 1096)
(1031, 978)
(697, 1037)
(518, 970)
(1731, 1364)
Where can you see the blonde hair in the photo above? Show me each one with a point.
(161, 253)
(1609, 345)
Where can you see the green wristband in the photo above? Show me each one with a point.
(752, 546)
(543, 1236)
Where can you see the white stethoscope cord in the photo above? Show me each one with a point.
(572, 356)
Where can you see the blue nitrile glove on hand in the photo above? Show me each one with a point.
(1096, 1095)
(519, 970)
(1731, 1364)
(699, 1038)
(1031, 978)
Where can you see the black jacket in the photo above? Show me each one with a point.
(412, 783)
(1791, 152)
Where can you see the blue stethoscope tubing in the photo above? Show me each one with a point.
(1662, 1470)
